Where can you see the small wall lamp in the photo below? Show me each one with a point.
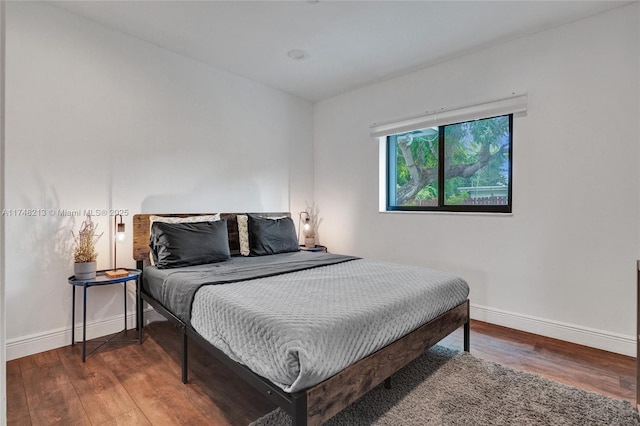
(305, 225)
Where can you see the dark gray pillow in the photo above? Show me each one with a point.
(271, 236)
(174, 245)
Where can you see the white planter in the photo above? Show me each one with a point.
(84, 270)
(309, 242)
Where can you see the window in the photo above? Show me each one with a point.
(464, 167)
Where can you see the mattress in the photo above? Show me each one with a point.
(299, 328)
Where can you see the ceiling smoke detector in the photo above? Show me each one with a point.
(296, 54)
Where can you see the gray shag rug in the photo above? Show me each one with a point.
(445, 387)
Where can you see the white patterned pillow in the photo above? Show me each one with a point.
(188, 219)
(243, 233)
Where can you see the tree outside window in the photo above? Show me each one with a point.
(457, 167)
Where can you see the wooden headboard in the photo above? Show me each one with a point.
(141, 230)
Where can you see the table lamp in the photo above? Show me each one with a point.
(119, 237)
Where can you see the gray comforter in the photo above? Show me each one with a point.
(300, 328)
(175, 288)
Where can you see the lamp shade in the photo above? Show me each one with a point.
(306, 228)
(121, 236)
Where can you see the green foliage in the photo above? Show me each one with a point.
(402, 171)
(427, 193)
(424, 150)
(465, 143)
(457, 199)
(451, 186)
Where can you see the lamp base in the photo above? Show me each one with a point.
(116, 273)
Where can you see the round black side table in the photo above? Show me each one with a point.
(99, 280)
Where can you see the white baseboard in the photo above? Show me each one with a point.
(600, 339)
(608, 341)
(52, 339)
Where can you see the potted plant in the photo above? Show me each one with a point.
(84, 253)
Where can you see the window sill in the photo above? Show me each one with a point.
(446, 213)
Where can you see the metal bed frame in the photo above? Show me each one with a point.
(318, 403)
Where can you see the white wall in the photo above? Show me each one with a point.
(3, 328)
(96, 119)
(564, 263)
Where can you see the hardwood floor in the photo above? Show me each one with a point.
(130, 384)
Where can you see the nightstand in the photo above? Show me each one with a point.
(322, 249)
(100, 280)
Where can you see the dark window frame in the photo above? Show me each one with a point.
(442, 207)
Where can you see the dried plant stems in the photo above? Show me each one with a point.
(85, 250)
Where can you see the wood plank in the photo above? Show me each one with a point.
(39, 360)
(131, 418)
(591, 369)
(51, 396)
(334, 394)
(208, 376)
(597, 371)
(17, 407)
(548, 357)
(575, 365)
(101, 394)
(627, 387)
(152, 379)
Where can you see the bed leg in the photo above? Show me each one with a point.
(140, 314)
(299, 402)
(185, 356)
(467, 330)
(387, 383)
(139, 305)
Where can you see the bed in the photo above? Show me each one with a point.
(249, 312)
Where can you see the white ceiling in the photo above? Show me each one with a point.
(348, 44)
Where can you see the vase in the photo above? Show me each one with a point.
(309, 242)
(84, 270)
